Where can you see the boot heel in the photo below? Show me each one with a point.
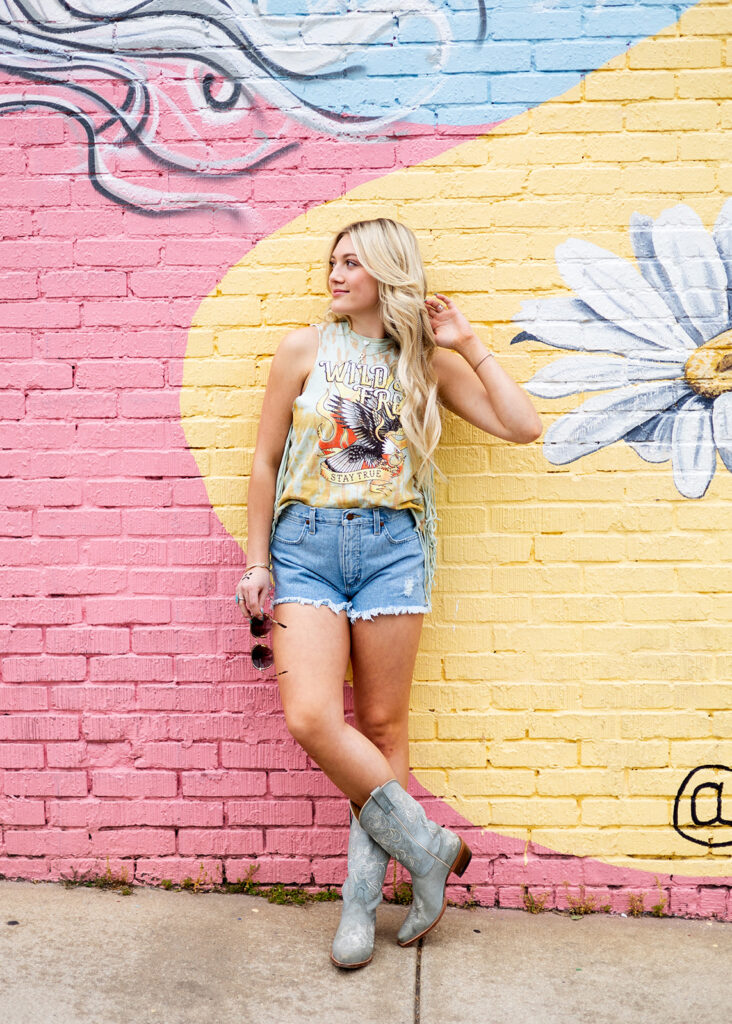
(463, 859)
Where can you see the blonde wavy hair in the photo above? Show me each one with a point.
(390, 253)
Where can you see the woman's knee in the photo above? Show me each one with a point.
(309, 726)
(388, 734)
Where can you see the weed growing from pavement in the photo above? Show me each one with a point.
(534, 904)
(584, 904)
(108, 880)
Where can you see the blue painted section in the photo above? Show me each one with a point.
(497, 63)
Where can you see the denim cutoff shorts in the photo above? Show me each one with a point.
(366, 561)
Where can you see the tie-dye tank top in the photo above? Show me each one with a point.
(346, 447)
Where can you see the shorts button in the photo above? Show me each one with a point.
(350, 515)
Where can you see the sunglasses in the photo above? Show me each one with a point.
(262, 656)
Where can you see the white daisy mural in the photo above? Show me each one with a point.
(660, 344)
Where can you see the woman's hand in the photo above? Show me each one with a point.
(252, 590)
(451, 328)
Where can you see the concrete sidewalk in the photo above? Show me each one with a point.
(83, 956)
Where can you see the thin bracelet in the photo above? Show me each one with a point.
(257, 565)
(488, 356)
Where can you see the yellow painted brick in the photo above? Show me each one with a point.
(604, 811)
(204, 373)
(573, 725)
(562, 149)
(703, 695)
(574, 781)
(710, 146)
(428, 666)
(462, 520)
(690, 753)
(244, 309)
(537, 753)
(654, 782)
(536, 696)
(708, 20)
(671, 666)
(676, 53)
(444, 754)
(582, 179)
(484, 183)
(200, 343)
(291, 310)
(436, 781)
(692, 177)
(201, 433)
(716, 84)
(528, 276)
(619, 754)
(527, 579)
(619, 85)
(415, 185)
(581, 549)
(624, 148)
(672, 115)
(493, 726)
(475, 809)
(536, 812)
(544, 638)
(448, 638)
(618, 579)
(567, 117)
(702, 636)
(448, 214)
(235, 462)
(484, 666)
(623, 637)
(628, 695)
(583, 841)
(486, 549)
(478, 782)
(246, 281)
(641, 842)
(579, 608)
(422, 726)
(674, 548)
(665, 607)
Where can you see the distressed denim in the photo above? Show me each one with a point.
(366, 561)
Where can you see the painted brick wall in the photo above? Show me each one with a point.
(570, 710)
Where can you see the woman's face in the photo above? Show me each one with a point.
(354, 290)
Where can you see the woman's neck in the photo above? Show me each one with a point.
(369, 325)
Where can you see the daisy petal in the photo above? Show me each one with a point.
(603, 419)
(723, 240)
(568, 323)
(722, 427)
(691, 261)
(574, 374)
(652, 440)
(693, 453)
(641, 237)
(617, 292)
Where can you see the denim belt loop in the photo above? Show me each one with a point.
(311, 520)
(377, 521)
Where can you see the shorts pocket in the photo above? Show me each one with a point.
(290, 529)
(400, 530)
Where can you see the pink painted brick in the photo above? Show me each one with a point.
(116, 252)
(73, 755)
(233, 841)
(27, 375)
(35, 253)
(16, 344)
(177, 755)
(80, 223)
(23, 698)
(80, 522)
(537, 871)
(32, 493)
(22, 190)
(223, 784)
(85, 640)
(125, 434)
(108, 728)
(126, 610)
(174, 640)
(39, 727)
(121, 782)
(21, 755)
(85, 580)
(21, 285)
(16, 811)
(130, 813)
(215, 252)
(93, 698)
(16, 524)
(81, 283)
(166, 225)
(21, 641)
(269, 812)
(173, 282)
(287, 870)
(194, 582)
(47, 668)
(162, 404)
(25, 867)
(21, 582)
(310, 188)
(329, 871)
(122, 373)
(303, 783)
(46, 783)
(127, 552)
(133, 312)
(133, 842)
(316, 841)
(189, 492)
(30, 436)
(152, 870)
(39, 552)
(173, 521)
(28, 128)
(510, 896)
(12, 405)
(116, 493)
(39, 313)
(71, 405)
(130, 666)
(46, 842)
(30, 611)
(262, 755)
(178, 698)
(332, 812)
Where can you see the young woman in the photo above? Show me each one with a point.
(342, 495)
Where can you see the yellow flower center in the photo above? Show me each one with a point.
(708, 369)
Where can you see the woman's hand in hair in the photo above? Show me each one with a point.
(450, 326)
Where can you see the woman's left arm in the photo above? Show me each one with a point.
(472, 384)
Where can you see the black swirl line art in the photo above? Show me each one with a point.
(702, 810)
(203, 89)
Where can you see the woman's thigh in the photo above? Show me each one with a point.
(383, 652)
(312, 655)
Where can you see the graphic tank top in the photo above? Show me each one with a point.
(346, 447)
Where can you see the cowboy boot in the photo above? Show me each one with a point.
(399, 824)
(353, 945)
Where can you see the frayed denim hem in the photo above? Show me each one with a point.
(393, 610)
(316, 604)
